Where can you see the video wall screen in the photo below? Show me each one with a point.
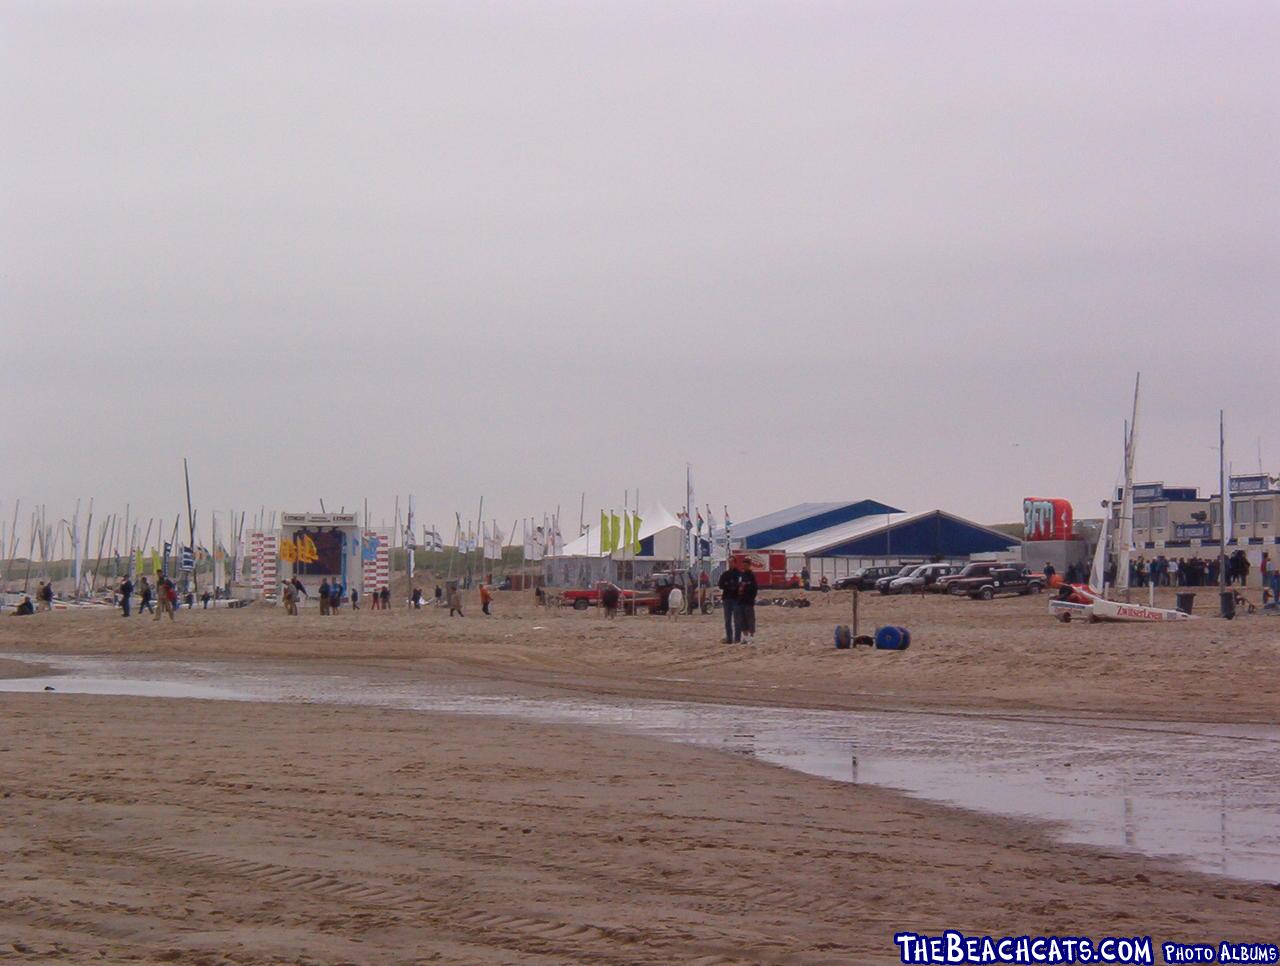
(316, 550)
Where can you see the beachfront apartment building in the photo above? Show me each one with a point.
(1178, 521)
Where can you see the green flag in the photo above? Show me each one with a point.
(615, 532)
(626, 530)
(635, 533)
(604, 533)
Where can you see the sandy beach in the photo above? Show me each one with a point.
(1003, 654)
(207, 832)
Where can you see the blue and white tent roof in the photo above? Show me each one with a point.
(922, 534)
(796, 521)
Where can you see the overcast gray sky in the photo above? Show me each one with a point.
(910, 251)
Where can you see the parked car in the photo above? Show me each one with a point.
(1007, 581)
(882, 584)
(922, 578)
(865, 579)
(972, 575)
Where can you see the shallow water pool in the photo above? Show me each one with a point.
(1207, 796)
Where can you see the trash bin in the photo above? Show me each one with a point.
(1228, 603)
(1186, 602)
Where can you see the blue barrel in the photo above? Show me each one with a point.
(890, 638)
(843, 637)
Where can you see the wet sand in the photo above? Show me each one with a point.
(214, 832)
(217, 832)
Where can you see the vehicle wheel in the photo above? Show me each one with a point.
(1025, 592)
(986, 593)
(1037, 588)
(580, 604)
(1065, 617)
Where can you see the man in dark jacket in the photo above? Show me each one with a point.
(729, 583)
(126, 595)
(747, 603)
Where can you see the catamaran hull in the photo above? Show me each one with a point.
(1068, 610)
(1114, 610)
(1101, 609)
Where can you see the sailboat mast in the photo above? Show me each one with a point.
(1224, 510)
(1125, 536)
(191, 525)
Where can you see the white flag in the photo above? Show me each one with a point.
(493, 543)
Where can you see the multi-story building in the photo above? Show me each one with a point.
(1255, 508)
(1178, 522)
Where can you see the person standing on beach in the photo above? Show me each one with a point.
(289, 597)
(610, 597)
(386, 598)
(324, 597)
(729, 582)
(126, 596)
(355, 598)
(44, 596)
(455, 601)
(747, 588)
(486, 598)
(168, 596)
(144, 597)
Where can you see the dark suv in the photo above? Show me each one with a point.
(972, 576)
(865, 579)
(1006, 580)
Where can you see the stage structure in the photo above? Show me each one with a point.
(315, 547)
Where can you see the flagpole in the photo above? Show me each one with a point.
(457, 538)
(510, 543)
(479, 523)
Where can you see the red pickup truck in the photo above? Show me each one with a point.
(631, 599)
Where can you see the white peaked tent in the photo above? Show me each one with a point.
(657, 522)
(581, 562)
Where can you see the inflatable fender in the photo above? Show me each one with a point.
(890, 638)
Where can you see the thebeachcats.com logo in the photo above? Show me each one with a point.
(953, 947)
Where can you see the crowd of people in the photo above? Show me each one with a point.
(1163, 571)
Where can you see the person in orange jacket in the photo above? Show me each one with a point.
(486, 598)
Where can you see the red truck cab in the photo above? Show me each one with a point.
(769, 566)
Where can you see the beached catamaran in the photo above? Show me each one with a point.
(1091, 602)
